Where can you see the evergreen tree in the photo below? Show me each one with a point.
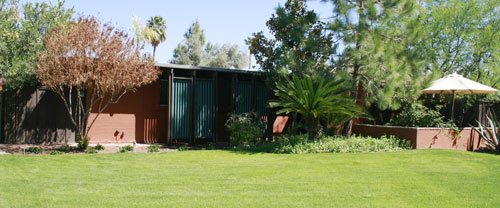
(196, 52)
(380, 50)
(301, 44)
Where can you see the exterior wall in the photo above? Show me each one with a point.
(35, 116)
(425, 138)
(137, 115)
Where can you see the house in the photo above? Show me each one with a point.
(186, 104)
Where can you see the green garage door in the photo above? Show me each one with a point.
(243, 97)
(181, 118)
(204, 109)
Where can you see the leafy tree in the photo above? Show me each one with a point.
(379, 40)
(158, 34)
(190, 51)
(93, 63)
(196, 52)
(464, 37)
(225, 56)
(141, 32)
(316, 100)
(301, 45)
(21, 37)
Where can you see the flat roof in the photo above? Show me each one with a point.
(204, 68)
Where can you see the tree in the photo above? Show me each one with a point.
(94, 63)
(196, 52)
(321, 99)
(141, 32)
(190, 51)
(225, 56)
(463, 37)
(158, 34)
(301, 45)
(379, 48)
(21, 37)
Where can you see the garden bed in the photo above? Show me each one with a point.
(425, 137)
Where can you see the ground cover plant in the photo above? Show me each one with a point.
(298, 144)
(416, 178)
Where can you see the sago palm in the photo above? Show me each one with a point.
(159, 26)
(316, 100)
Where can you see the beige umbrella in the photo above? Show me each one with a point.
(454, 83)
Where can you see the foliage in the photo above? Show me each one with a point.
(127, 148)
(141, 32)
(299, 144)
(91, 151)
(463, 37)
(56, 152)
(21, 37)
(158, 32)
(92, 62)
(83, 142)
(182, 148)
(211, 146)
(194, 50)
(417, 115)
(66, 148)
(35, 150)
(379, 49)
(154, 148)
(245, 130)
(316, 100)
(491, 134)
(99, 147)
(300, 45)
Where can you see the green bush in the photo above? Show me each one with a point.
(83, 142)
(127, 148)
(417, 115)
(99, 147)
(56, 152)
(210, 146)
(182, 148)
(245, 131)
(298, 144)
(91, 151)
(66, 148)
(35, 150)
(154, 148)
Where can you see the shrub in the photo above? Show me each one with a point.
(211, 146)
(182, 148)
(244, 129)
(56, 152)
(66, 148)
(83, 142)
(154, 148)
(127, 148)
(99, 147)
(417, 115)
(35, 150)
(91, 151)
(298, 144)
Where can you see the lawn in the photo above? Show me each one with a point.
(416, 178)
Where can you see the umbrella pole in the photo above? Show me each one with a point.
(453, 107)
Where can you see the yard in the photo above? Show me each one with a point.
(416, 178)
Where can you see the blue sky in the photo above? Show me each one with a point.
(224, 21)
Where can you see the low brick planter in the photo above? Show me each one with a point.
(425, 137)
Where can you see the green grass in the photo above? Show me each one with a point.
(417, 178)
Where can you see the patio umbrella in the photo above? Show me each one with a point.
(454, 83)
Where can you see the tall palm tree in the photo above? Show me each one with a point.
(159, 34)
(316, 99)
